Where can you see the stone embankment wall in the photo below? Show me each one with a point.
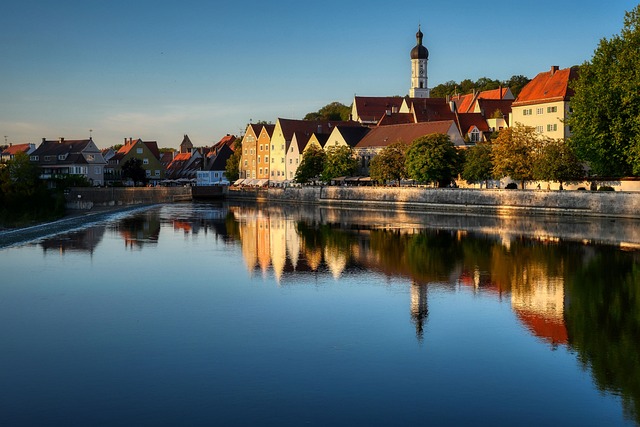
(516, 202)
(87, 198)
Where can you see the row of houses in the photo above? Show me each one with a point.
(271, 153)
(63, 157)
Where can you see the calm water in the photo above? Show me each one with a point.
(201, 314)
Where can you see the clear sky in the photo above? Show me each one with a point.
(157, 70)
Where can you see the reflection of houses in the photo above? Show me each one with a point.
(540, 307)
(419, 309)
(139, 230)
(85, 240)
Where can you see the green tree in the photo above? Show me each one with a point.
(335, 111)
(132, 169)
(340, 161)
(516, 83)
(444, 89)
(514, 153)
(478, 164)
(605, 122)
(311, 165)
(558, 162)
(232, 167)
(433, 158)
(389, 164)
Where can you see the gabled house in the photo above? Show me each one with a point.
(348, 136)
(428, 109)
(382, 136)
(544, 102)
(184, 166)
(263, 150)
(248, 165)
(283, 135)
(469, 103)
(215, 162)
(10, 152)
(146, 151)
(300, 142)
(57, 159)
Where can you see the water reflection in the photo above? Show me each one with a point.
(582, 296)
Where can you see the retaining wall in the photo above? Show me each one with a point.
(517, 202)
(85, 198)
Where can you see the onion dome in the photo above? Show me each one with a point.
(419, 52)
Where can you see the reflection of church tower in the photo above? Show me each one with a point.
(419, 59)
(419, 309)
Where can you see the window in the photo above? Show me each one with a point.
(251, 151)
(297, 160)
(539, 129)
(145, 161)
(272, 160)
(245, 163)
(138, 150)
(245, 151)
(552, 109)
(47, 158)
(34, 158)
(271, 173)
(474, 135)
(258, 159)
(148, 173)
(273, 147)
(90, 157)
(260, 171)
(266, 159)
(97, 170)
(527, 112)
(260, 147)
(552, 128)
(157, 172)
(281, 159)
(539, 110)
(62, 156)
(290, 161)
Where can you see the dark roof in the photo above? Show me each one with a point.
(353, 134)
(419, 51)
(552, 85)
(220, 157)
(269, 128)
(467, 120)
(291, 126)
(372, 108)
(56, 148)
(430, 109)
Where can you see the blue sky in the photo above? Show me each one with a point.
(158, 70)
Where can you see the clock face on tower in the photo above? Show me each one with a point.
(421, 71)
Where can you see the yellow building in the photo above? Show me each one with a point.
(543, 103)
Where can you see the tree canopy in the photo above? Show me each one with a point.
(557, 161)
(334, 111)
(389, 164)
(605, 121)
(311, 165)
(132, 169)
(433, 158)
(514, 153)
(478, 164)
(340, 161)
(232, 167)
(515, 83)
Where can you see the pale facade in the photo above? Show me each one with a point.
(248, 161)
(547, 118)
(263, 152)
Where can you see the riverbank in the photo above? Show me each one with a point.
(457, 200)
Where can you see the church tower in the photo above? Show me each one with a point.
(419, 58)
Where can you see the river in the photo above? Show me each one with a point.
(244, 314)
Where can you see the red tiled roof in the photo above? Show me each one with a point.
(16, 148)
(430, 109)
(467, 120)
(382, 136)
(553, 331)
(548, 86)
(396, 119)
(372, 108)
(489, 106)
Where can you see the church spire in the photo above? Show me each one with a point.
(419, 59)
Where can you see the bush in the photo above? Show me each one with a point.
(606, 188)
(511, 186)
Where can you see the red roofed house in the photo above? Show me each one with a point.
(146, 151)
(368, 110)
(10, 152)
(544, 102)
(383, 136)
(215, 162)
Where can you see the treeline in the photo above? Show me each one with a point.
(25, 198)
(515, 83)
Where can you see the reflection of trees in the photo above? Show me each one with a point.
(426, 256)
(84, 240)
(139, 229)
(603, 322)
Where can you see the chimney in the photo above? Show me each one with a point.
(61, 139)
(125, 140)
(554, 68)
(319, 128)
(500, 91)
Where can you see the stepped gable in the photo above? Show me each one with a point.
(383, 136)
(549, 86)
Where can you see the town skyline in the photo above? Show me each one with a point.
(123, 70)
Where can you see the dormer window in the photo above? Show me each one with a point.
(90, 157)
(62, 156)
(474, 135)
